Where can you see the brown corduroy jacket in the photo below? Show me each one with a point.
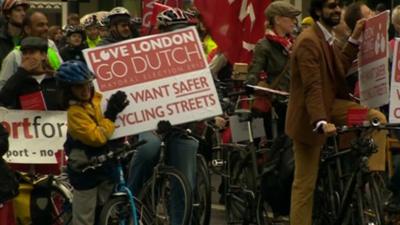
(318, 77)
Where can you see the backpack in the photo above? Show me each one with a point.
(277, 176)
(33, 204)
(8, 182)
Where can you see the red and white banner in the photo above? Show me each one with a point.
(35, 136)
(165, 76)
(373, 62)
(394, 107)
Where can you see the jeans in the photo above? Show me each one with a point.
(181, 154)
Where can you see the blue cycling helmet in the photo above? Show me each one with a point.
(74, 72)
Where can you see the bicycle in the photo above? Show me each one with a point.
(59, 193)
(157, 191)
(242, 167)
(349, 194)
(122, 207)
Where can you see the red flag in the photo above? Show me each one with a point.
(235, 25)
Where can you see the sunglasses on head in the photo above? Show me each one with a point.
(333, 5)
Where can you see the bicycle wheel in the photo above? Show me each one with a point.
(264, 213)
(370, 205)
(157, 197)
(118, 211)
(202, 194)
(240, 197)
(61, 203)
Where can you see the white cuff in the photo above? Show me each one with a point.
(354, 41)
(319, 124)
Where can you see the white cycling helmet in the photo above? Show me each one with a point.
(172, 16)
(90, 21)
(118, 14)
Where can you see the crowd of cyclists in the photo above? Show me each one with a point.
(310, 60)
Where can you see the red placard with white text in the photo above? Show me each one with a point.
(373, 62)
(165, 76)
(394, 106)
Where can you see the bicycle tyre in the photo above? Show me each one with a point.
(61, 203)
(155, 196)
(240, 199)
(202, 194)
(118, 208)
(264, 213)
(370, 206)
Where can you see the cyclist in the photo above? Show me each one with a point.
(272, 55)
(13, 12)
(75, 43)
(119, 23)
(33, 76)
(88, 133)
(319, 100)
(92, 32)
(182, 149)
(35, 25)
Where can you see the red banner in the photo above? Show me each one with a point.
(235, 25)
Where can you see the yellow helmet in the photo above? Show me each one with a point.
(307, 21)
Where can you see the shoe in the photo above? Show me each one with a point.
(393, 204)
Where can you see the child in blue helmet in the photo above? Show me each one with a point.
(88, 133)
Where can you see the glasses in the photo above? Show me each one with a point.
(333, 5)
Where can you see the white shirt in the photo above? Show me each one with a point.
(329, 37)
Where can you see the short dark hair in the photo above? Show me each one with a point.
(353, 14)
(73, 17)
(28, 17)
(314, 7)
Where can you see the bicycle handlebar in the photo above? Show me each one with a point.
(98, 161)
(374, 124)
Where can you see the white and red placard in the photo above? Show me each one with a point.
(165, 77)
(373, 62)
(394, 106)
(35, 136)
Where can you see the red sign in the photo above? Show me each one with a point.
(356, 116)
(397, 65)
(375, 39)
(146, 59)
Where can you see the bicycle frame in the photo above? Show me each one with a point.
(346, 188)
(122, 188)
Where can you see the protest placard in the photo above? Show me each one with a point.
(35, 136)
(394, 106)
(373, 62)
(165, 76)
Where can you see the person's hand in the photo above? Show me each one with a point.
(163, 127)
(329, 129)
(117, 103)
(220, 122)
(30, 64)
(358, 29)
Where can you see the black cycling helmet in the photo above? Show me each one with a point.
(74, 72)
(34, 43)
(71, 29)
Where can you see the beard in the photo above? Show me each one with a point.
(328, 20)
